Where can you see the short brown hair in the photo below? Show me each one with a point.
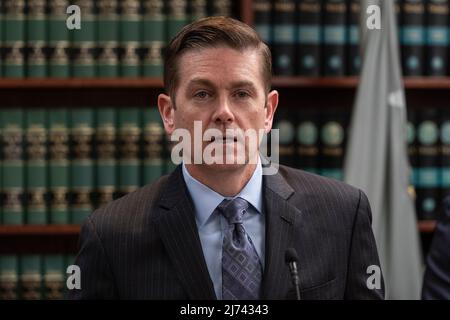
(209, 33)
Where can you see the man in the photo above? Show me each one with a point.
(221, 230)
(436, 283)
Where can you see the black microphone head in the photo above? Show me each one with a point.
(290, 255)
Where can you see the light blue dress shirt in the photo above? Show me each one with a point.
(211, 226)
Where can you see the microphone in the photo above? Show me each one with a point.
(291, 259)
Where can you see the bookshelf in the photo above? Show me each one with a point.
(97, 92)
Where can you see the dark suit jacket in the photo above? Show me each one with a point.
(436, 283)
(145, 245)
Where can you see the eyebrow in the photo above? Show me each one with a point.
(208, 83)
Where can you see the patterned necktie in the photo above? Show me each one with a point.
(241, 267)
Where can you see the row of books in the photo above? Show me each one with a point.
(315, 141)
(38, 38)
(34, 277)
(321, 37)
(58, 165)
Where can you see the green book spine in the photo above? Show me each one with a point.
(9, 277)
(31, 277)
(36, 166)
(153, 135)
(36, 34)
(53, 277)
(84, 42)
(14, 39)
(220, 8)
(107, 38)
(412, 145)
(12, 166)
(58, 39)
(81, 169)
(130, 38)
(177, 17)
(129, 145)
(105, 142)
(154, 36)
(198, 9)
(58, 136)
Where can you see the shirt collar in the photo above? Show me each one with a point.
(206, 200)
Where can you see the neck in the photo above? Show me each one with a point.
(227, 183)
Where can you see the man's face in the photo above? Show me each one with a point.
(224, 89)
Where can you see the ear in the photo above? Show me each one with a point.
(271, 107)
(166, 110)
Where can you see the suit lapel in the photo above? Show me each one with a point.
(178, 230)
(280, 218)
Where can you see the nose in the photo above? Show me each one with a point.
(223, 113)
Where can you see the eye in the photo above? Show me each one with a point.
(201, 94)
(242, 94)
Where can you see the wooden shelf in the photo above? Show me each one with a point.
(157, 83)
(40, 230)
(80, 83)
(39, 239)
(427, 226)
(25, 239)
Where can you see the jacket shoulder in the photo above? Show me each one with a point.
(136, 206)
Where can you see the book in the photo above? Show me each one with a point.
(283, 38)
(177, 17)
(129, 131)
(428, 145)
(307, 140)
(412, 37)
(58, 39)
(130, 34)
(84, 42)
(285, 123)
(36, 166)
(106, 153)
(353, 53)
(58, 165)
(107, 38)
(197, 9)
(334, 37)
(309, 34)
(14, 39)
(262, 12)
(220, 8)
(154, 38)
(437, 37)
(332, 143)
(30, 277)
(9, 277)
(36, 35)
(53, 276)
(153, 144)
(81, 165)
(445, 154)
(13, 180)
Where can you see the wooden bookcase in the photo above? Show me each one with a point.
(295, 92)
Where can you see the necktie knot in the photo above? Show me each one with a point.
(233, 210)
